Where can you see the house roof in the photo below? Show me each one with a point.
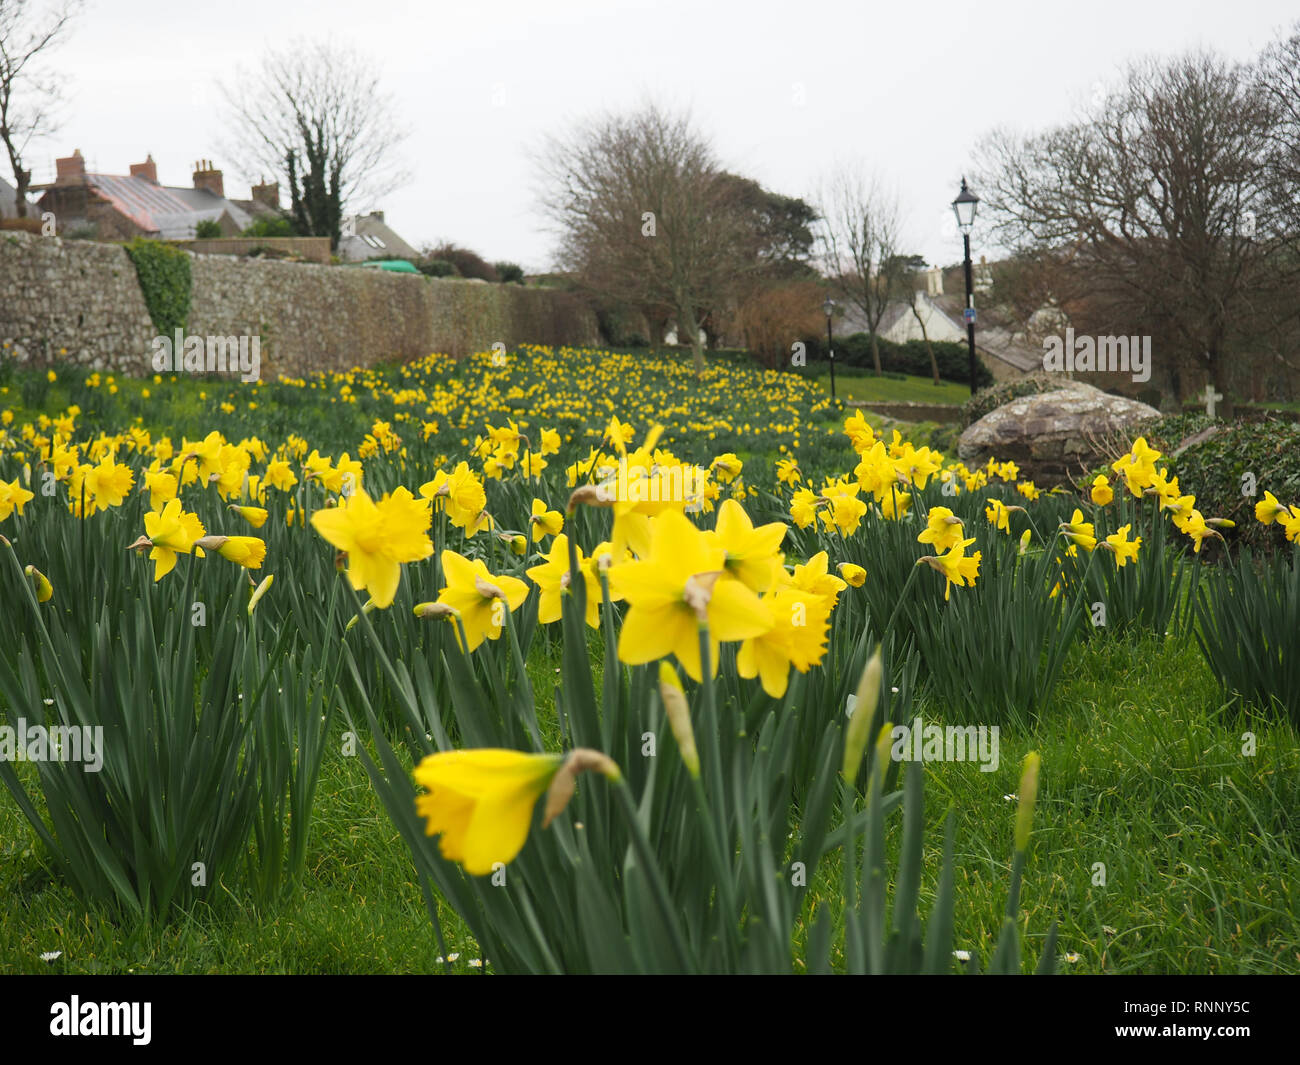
(995, 334)
(170, 212)
(138, 199)
(201, 201)
(372, 237)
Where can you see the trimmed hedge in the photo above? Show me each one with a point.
(909, 358)
(164, 275)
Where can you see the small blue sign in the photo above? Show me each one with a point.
(968, 314)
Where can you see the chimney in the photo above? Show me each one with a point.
(147, 170)
(205, 177)
(267, 194)
(934, 282)
(70, 170)
(378, 216)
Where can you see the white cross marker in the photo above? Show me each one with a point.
(1211, 397)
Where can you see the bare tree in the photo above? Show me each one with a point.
(1279, 79)
(29, 93)
(316, 117)
(1158, 203)
(646, 215)
(911, 268)
(859, 238)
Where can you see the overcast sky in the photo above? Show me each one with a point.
(784, 89)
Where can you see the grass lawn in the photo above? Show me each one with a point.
(1140, 775)
(865, 386)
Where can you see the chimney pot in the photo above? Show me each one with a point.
(267, 193)
(70, 170)
(206, 177)
(147, 170)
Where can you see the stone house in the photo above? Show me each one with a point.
(368, 236)
(120, 207)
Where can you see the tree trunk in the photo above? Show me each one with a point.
(686, 320)
(875, 352)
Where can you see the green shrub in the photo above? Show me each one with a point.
(467, 263)
(270, 227)
(509, 272)
(207, 229)
(164, 274)
(438, 268)
(1222, 469)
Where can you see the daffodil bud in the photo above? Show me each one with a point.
(434, 610)
(1028, 796)
(366, 608)
(258, 592)
(592, 496)
(44, 590)
(565, 782)
(864, 709)
(679, 716)
(699, 590)
(487, 589)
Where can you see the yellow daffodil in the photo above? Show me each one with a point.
(1079, 532)
(852, 574)
(255, 516)
(1101, 492)
(168, 533)
(480, 599)
(752, 554)
(680, 583)
(480, 802)
(378, 538)
(1267, 510)
(943, 530)
(956, 566)
(1124, 549)
(552, 579)
(999, 515)
(13, 497)
(246, 551)
(544, 522)
(797, 638)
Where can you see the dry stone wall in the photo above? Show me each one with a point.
(79, 302)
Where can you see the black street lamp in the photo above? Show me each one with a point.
(829, 308)
(964, 207)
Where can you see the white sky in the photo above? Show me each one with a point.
(784, 89)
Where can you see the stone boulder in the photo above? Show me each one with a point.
(1056, 434)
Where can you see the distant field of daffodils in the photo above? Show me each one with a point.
(575, 661)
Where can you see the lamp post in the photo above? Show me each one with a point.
(829, 308)
(964, 207)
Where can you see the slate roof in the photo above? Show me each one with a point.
(170, 212)
(373, 239)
